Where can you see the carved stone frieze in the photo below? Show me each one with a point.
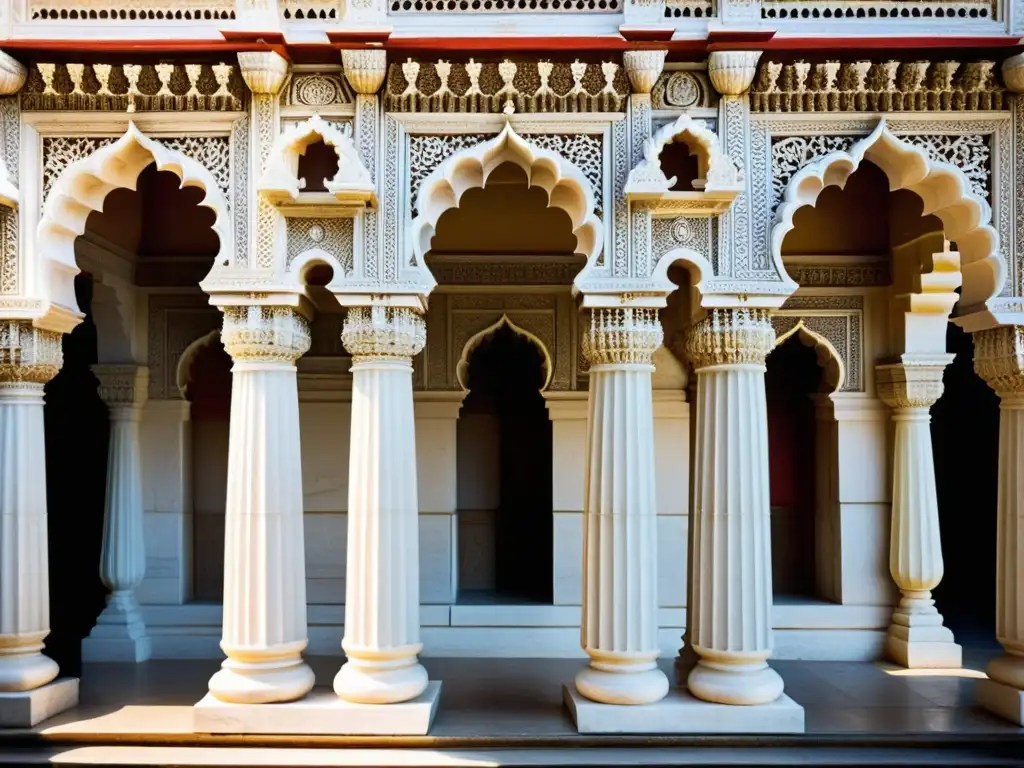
(690, 9)
(526, 272)
(841, 275)
(28, 355)
(953, 11)
(141, 87)
(529, 86)
(503, 6)
(333, 236)
(316, 90)
(885, 86)
(131, 10)
(683, 89)
(682, 232)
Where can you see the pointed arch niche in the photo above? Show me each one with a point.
(82, 189)
(504, 445)
(802, 373)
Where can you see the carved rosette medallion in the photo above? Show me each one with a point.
(28, 355)
(627, 335)
(731, 337)
(999, 360)
(256, 334)
(390, 333)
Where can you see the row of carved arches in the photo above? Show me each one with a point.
(85, 201)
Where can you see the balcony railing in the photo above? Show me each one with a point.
(867, 10)
(131, 10)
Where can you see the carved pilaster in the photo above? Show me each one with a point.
(383, 332)
(28, 355)
(265, 334)
(264, 73)
(734, 248)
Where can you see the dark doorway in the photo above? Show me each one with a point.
(506, 373)
(792, 377)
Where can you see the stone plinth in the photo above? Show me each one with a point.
(1004, 700)
(681, 712)
(321, 712)
(25, 709)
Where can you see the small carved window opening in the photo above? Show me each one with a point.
(318, 163)
(677, 160)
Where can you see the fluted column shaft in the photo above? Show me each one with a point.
(28, 359)
(999, 359)
(620, 573)
(382, 602)
(730, 569)
(916, 636)
(120, 632)
(264, 630)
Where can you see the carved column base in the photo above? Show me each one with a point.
(120, 633)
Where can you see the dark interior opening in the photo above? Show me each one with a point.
(505, 376)
(76, 433)
(965, 443)
(317, 165)
(792, 376)
(678, 161)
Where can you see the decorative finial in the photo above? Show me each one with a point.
(510, 107)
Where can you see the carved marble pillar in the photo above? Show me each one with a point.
(730, 569)
(264, 549)
(999, 359)
(29, 357)
(120, 633)
(916, 636)
(264, 72)
(382, 625)
(620, 578)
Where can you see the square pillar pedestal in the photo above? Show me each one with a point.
(681, 712)
(1001, 699)
(321, 712)
(25, 709)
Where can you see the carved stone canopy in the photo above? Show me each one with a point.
(721, 179)
(351, 186)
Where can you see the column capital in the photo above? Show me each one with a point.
(915, 382)
(735, 336)
(365, 69)
(263, 71)
(383, 332)
(999, 359)
(622, 336)
(643, 68)
(1013, 73)
(122, 384)
(12, 74)
(260, 334)
(732, 72)
(28, 355)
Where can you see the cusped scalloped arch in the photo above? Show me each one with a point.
(943, 188)
(716, 170)
(829, 359)
(281, 179)
(566, 185)
(474, 341)
(84, 185)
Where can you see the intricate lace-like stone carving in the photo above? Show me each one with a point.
(317, 90)
(583, 150)
(264, 334)
(240, 188)
(620, 208)
(61, 151)
(683, 89)
(730, 337)
(999, 358)
(887, 86)
(791, 153)
(622, 335)
(28, 354)
(10, 119)
(972, 154)
(383, 332)
(842, 330)
(212, 152)
(682, 232)
(334, 236)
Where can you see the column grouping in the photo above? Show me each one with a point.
(999, 359)
(730, 597)
(264, 632)
(382, 627)
(620, 599)
(29, 357)
(917, 637)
